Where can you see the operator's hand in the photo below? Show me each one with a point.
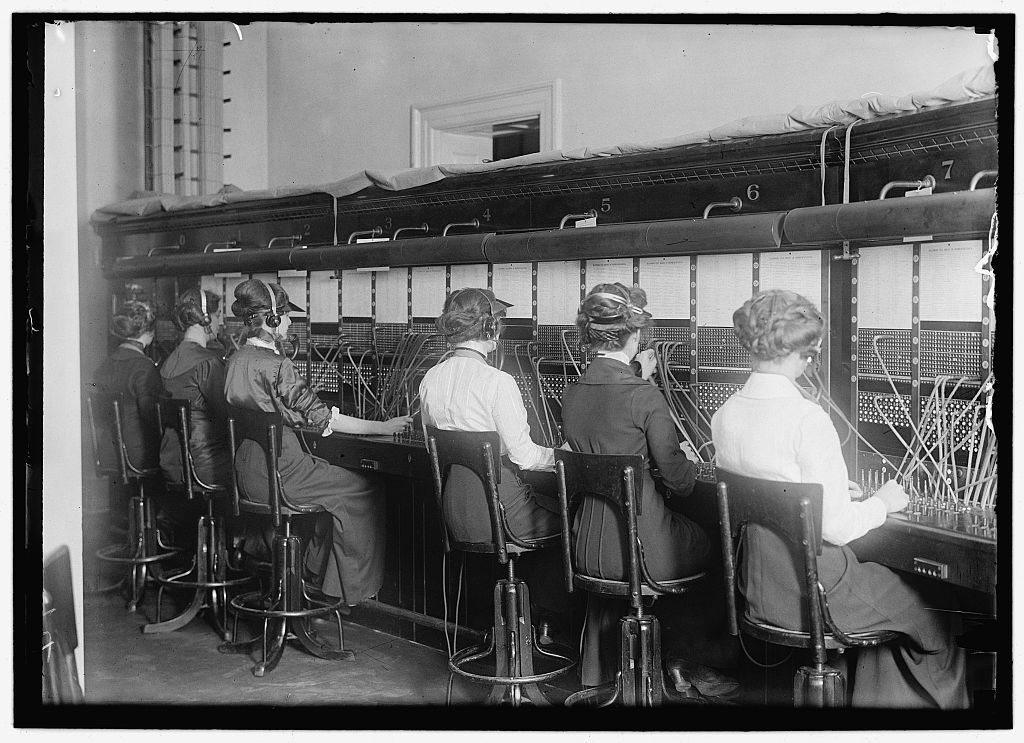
(396, 425)
(893, 496)
(855, 490)
(647, 363)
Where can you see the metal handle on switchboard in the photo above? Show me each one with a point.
(734, 204)
(567, 217)
(927, 182)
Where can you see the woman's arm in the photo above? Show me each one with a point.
(820, 458)
(295, 395)
(347, 424)
(650, 412)
(513, 428)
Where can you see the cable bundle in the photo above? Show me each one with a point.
(550, 432)
(683, 405)
(398, 389)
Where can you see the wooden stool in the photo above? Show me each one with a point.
(511, 644)
(207, 575)
(143, 546)
(793, 511)
(286, 606)
(640, 680)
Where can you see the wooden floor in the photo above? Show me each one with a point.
(123, 666)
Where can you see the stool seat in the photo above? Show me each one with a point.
(286, 607)
(796, 639)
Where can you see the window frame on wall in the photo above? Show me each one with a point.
(431, 123)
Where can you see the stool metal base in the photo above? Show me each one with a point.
(640, 681)
(819, 686)
(142, 550)
(512, 644)
(286, 610)
(207, 576)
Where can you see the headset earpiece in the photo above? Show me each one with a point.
(489, 328)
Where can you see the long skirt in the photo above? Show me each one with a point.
(529, 512)
(674, 547)
(351, 559)
(925, 668)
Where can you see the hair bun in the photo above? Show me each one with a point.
(132, 320)
(774, 323)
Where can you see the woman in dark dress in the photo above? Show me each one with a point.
(349, 564)
(131, 372)
(614, 411)
(195, 373)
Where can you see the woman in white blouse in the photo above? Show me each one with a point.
(769, 430)
(465, 393)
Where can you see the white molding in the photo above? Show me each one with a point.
(543, 100)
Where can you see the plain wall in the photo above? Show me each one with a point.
(339, 95)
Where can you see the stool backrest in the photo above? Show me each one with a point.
(479, 452)
(615, 478)
(266, 430)
(175, 415)
(106, 423)
(790, 510)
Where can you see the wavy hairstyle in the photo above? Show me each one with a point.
(610, 314)
(774, 323)
(132, 320)
(252, 301)
(189, 310)
(467, 314)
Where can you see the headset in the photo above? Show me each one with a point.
(272, 320)
(205, 321)
(491, 327)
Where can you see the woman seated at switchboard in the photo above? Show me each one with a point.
(195, 373)
(613, 410)
(465, 393)
(769, 430)
(349, 564)
(129, 371)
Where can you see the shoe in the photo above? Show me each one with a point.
(706, 680)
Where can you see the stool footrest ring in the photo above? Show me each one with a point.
(476, 652)
(240, 603)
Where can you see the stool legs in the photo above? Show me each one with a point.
(142, 548)
(513, 643)
(286, 613)
(640, 681)
(207, 575)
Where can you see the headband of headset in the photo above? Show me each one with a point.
(627, 309)
(273, 319)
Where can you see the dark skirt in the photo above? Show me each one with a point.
(674, 547)
(528, 513)
(925, 669)
(351, 559)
